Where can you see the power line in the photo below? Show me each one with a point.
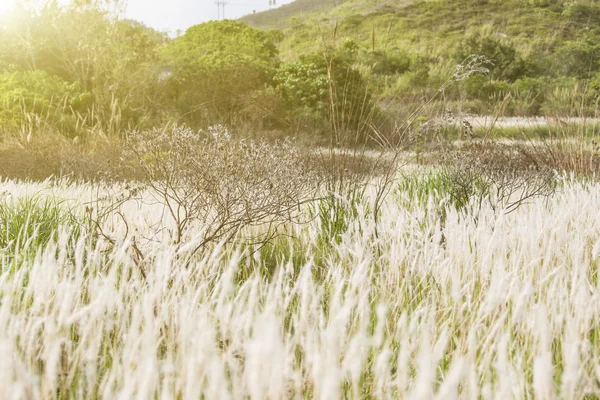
(222, 3)
(247, 4)
(221, 8)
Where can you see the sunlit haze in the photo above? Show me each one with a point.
(4, 6)
(174, 15)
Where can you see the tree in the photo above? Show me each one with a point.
(84, 43)
(504, 61)
(215, 68)
(32, 101)
(327, 87)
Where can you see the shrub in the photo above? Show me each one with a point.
(481, 87)
(507, 176)
(52, 158)
(504, 64)
(218, 185)
(388, 63)
(539, 3)
(354, 20)
(527, 96)
(35, 101)
(595, 83)
(577, 58)
(419, 71)
(214, 69)
(328, 87)
(304, 87)
(578, 10)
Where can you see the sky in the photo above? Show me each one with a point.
(173, 15)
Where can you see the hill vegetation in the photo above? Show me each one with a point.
(543, 53)
(395, 251)
(309, 69)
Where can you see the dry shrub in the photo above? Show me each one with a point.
(54, 158)
(217, 185)
(345, 170)
(573, 157)
(507, 175)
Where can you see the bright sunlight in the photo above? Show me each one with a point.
(309, 199)
(5, 5)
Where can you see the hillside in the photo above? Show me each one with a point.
(536, 48)
(279, 17)
(75, 70)
(434, 27)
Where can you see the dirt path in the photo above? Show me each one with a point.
(526, 122)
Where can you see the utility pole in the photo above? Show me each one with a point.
(221, 8)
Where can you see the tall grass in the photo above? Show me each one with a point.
(30, 223)
(507, 306)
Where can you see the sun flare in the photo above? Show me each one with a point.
(5, 5)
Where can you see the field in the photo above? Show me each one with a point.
(358, 199)
(478, 303)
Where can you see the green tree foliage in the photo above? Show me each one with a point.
(113, 61)
(505, 63)
(326, 87)
(579, 59)
(304, 87)
(215, 68)
(78, 68)
(36, 99)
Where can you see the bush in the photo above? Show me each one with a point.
(35, 101)
(505, 63)
(304, 87)
(570, 97)
(577, 10)
(539, 3)
(419, 71)
(327, 87)
(481, 87)
(506, 176)
(388, 64)
(577, 59)
(595, 83)
(52, 158)
(221, 186)
(354, 20)
(215, 68)
(527, 96)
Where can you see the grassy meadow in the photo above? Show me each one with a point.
(333, 199)
(483, 305)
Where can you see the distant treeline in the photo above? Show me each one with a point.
(79, 70)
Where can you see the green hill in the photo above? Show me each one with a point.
(312, 66)
(279, 17)
(435, 26)
(540, 50)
